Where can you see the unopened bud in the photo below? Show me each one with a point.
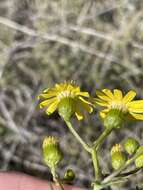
(69, 175)
(51, 151)
(118, 157)
(139, 159)
(131, 145)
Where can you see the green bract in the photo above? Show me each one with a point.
(139, 159)
(114, 119)
(131, 145)
(66, 108)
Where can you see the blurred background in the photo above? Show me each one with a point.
(98, 43)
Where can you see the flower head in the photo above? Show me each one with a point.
(118, 157)
(131, 145)
(51, 151)
(67, 98)
(116, 101)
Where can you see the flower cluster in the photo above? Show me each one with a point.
(68, 99)
(120, 153)
(116, 108)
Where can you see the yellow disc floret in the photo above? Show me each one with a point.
(116, 148)
(50, 141)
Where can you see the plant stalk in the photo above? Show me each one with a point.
(97, 169)
(102, 137)
(76, 135)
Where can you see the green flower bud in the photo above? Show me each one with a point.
(51, 151)
(69, 175)
(66, 108)
(118, 157)
(114, 119)
(139, 159)
(131, 145)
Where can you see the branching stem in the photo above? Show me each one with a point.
(101, 138)
(96, 165)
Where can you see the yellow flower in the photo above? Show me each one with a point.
(67, 98)
(116, 101)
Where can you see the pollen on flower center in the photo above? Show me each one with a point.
(65, 94)
(118, 105)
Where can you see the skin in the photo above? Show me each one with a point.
(17, 181)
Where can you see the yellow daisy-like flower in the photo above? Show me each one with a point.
(115, 100)
(67, 98)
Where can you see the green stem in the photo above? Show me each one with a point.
(85, 146)
(96, 165)
(126, 174)
(60, 184)
(97, 187)
(53, 171)
(56, 179)
(95, 148)
(101, 138)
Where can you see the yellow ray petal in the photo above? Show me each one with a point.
(52, 107)
(58, 85)
(136, 110)
(137, 116)
(47, 102)
(49, 90)
(103, 113)
(85, 106)
(47, 95)
(84, 94)
(103, 96)
(78, 113)
(136, 104)
(129, 96)
(118, 94)
(100, 102)
(83, 100)
(76, 90)
(108, 93)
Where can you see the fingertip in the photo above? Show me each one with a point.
(18, 181)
